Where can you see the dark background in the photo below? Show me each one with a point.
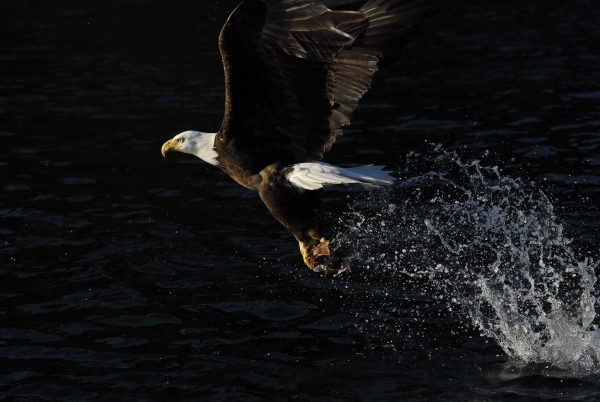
(126, 276)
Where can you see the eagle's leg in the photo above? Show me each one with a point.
(299, 212)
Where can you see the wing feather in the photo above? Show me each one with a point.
(295, 71)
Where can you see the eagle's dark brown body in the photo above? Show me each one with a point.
(298, 212)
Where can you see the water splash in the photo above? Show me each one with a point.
(492, 245)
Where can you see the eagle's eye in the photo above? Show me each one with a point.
(180, 140)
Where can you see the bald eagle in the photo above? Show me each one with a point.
(295, 71)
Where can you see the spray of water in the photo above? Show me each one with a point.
(490, 244)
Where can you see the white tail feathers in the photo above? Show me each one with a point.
(315, 175)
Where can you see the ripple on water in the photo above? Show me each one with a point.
(17, 188)
(586, 95)
(271, 310)
(74, 181)
(120, 342)
(106, 299)
(140, 321)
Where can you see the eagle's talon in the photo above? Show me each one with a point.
(315, 252)
(317, 256)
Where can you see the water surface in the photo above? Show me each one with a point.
(130, 277)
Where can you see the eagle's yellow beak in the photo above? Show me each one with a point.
(168, 146)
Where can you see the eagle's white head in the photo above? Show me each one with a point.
(195, 143)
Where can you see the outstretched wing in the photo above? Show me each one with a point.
(295, 70)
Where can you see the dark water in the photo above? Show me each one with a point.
(128, 277)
